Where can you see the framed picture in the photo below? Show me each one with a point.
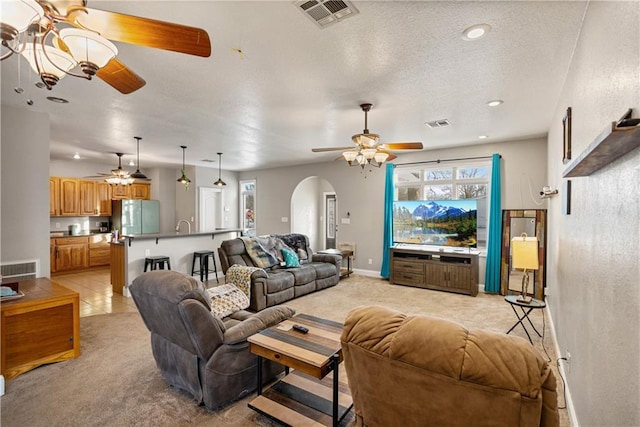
(566, 136)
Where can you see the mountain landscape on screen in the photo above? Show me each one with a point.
(436, 222)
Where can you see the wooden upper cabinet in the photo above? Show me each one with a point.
(140, 191)
(88, 199)
(54, 196)
(103, 196)
(69, 197)
(120, 192)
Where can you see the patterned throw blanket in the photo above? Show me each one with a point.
(240, 275)
(264, 251)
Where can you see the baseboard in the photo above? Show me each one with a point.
(573, 419)
(368, 273)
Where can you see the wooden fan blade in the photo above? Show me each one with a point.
(402, 146)
(322, 150)
(145, 32)
(391, 157)
(120, 77)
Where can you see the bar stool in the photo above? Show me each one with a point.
(157, 262)
(204, 265)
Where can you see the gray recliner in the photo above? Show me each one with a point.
(196, 352)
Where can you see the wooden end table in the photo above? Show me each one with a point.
(314, 393)
(41, 327)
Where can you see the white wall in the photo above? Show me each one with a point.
(24, 188)
(593, 259)
(305, 210)
(205, 177)
(523, 162)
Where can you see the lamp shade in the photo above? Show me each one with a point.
(524, 252)
(19, 14)
(86, 46)
(350, 156)
(55, 62)
(380, 157)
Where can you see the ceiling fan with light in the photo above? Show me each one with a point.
(64, 37)
(368, 150)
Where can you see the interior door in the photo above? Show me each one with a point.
(330, 221)
(210, 212)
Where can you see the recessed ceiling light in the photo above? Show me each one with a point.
(76, 156)
(132, 163)
(58, 100)
(483, 137)
(475, 32)
(495, 102)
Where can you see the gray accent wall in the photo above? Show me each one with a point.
(594, 253)
(524, 173)
(24, 219)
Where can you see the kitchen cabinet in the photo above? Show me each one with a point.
(54, 196)
(52, 255)
(71, 253)
(119, 192)
(140, 191)
(99, 253)
(88, 200)
(103, 198)
(69, 197)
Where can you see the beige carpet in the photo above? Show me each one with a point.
(115, 382)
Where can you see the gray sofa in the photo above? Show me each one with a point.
(196, 352)
(275, 285)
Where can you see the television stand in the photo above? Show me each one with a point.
(451, 270)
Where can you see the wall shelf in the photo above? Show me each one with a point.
(612, 143)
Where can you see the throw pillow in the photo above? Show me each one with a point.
(290, 258)
(226, 300)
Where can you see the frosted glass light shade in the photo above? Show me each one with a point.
(380, 157)
(86, 46)
(350, 156)
(368, 153)
(524, 252)
(19, 14)
(62, 60)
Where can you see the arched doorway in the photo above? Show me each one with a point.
(314, 212)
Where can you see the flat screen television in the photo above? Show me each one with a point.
(436, 222)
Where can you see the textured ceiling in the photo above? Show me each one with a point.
(297, 86)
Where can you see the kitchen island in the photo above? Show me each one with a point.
(129, 252)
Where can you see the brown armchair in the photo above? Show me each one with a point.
(418, 371)
(207, 357)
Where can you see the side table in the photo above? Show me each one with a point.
(525, 308)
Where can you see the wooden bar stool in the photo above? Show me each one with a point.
(204, 265)
(157, 262)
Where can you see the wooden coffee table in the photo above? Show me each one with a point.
(314, 393)
(41, 327)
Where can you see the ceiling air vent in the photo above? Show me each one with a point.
(439, 123)
(326, 12)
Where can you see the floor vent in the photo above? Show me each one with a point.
(19, 271)
(326, 12)
(439, 123)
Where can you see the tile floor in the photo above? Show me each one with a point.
(96, 294)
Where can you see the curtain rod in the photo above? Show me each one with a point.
(445, 160)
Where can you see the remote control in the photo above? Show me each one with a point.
(300, 328)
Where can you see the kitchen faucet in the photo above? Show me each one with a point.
(188, 226)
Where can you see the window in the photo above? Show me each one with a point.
(248, 207)
(463, 180)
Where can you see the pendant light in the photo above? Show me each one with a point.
(184, 179)
(219, 182)
(137, 174)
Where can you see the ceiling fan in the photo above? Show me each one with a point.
(119, 176)
(368, 150)
(79, 38)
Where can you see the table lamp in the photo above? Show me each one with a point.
(524, 256)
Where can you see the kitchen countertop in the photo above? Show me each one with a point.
(176, 234)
